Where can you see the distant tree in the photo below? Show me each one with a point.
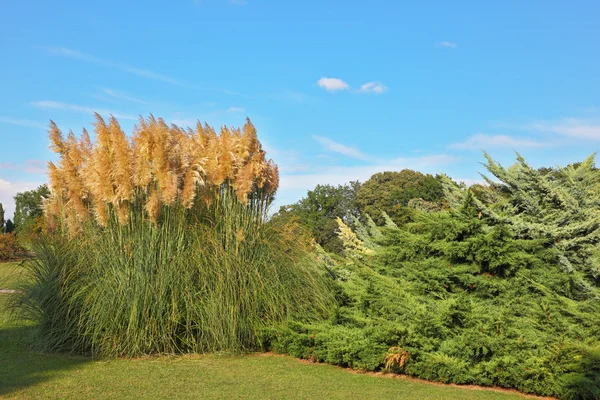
(10, 227)
(390, 192)
(320, 208)
(1, 218)
(28, 208)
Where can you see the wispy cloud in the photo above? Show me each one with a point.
(184, 122)
(23, 122)
(238, 2)
(236, 110)
(337, 175)
(297, 178)
(288, 161)
(46, 104)
(332, 84)
(145, 73)
(9, 189)
(451, 45)
(30, 166)
(373, 87)
(482, 141)
(340, 148)
(571, 127)
(336, 84)
(123, 96)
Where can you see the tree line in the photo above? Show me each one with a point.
(28, 217)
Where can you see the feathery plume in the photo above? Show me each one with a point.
(121, 165)
(160, 165)
(56, 138)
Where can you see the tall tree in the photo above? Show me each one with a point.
(1, 218)
(28, 207)
(390, 192)
(319, 210)
(10, 227)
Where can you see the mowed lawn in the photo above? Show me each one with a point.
(11, 273)
(26, 374)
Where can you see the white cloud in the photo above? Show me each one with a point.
(332, 84)
(337, 175)
(571, 127)
(373, 87)
(451, 45)
(120, 95)
(75, 54)
(30, 166)
(288, 161)
(46, 104)
(470, 182)
(235, 109)
(482, 141)
(23, 122)
(341, 148)
(8, 190)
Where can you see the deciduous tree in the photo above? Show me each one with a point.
(29, 207)
(390, 192)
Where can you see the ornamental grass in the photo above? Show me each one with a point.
(159, 243)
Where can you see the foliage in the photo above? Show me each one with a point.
(562, 208)
(9, 227)
(2, 222)
(353, 246)
(27, 374)
(160, 245)
(320, 208)
(477, 294)
(29, 208)
(10, 248)
(373, 229)
(391, 192)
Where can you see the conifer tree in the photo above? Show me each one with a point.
(362, 233)
(561, 208)
(373, 229)
(10, 227)
(353, 246)
(388, 221)
(1, 218)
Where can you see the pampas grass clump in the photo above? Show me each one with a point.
(160, 244)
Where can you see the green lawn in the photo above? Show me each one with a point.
(25, 374)
(10, 274)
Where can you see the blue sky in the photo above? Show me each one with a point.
(338, 90)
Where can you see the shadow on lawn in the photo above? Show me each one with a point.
(21, 367)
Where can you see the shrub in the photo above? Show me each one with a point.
(500, 293)
(10, 248)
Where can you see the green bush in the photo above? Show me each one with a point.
(492, 294)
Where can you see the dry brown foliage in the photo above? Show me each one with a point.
(395, 358)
